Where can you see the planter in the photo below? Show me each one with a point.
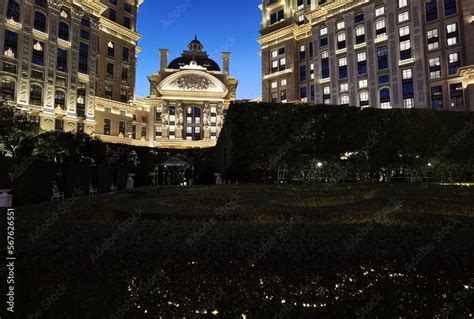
(5, 198)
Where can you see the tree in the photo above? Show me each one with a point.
(15, 129)
(59, 147)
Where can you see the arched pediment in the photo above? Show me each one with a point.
(192, 82)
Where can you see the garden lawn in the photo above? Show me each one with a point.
(250, 251)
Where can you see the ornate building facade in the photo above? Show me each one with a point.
(378, 53)
(190, 97)
(60, 56)
(71, 65)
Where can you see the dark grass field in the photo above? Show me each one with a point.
(250, 251)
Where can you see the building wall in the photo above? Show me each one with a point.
(408, 77)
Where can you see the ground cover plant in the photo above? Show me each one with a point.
(251, 251)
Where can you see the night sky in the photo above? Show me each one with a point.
(220, 25)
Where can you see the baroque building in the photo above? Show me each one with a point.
(190, 97)
(377, 53)
(71, 65)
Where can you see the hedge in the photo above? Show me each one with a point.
(260, 138)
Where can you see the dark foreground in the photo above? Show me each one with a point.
(345, 251)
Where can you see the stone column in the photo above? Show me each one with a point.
(226, 62)
(73, 82)
(164, 53)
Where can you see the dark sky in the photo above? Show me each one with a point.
(220, 25)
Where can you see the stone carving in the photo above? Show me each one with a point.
(48, 124)
(193, 83)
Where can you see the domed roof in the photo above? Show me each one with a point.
(196, 54)
(209, 64)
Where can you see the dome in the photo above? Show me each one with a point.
(203, 61)
(196, 54)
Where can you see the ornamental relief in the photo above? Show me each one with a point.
(192, 83)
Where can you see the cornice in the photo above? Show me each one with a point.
(119, 31)
(95, 6)
(327, 10)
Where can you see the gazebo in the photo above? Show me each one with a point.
(174, 171)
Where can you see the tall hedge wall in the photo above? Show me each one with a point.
(259, 138)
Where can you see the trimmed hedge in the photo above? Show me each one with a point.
(258, 139)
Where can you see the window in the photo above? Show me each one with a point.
(108, 92)
(277, 16)
(437, 102)
(433, 39)
(435, 67)
(59, 125)
(359, 18)
(7, 89)
(61, 60)
(403, 17)
(325, 70)
(85, 34)
(10, 68)
(362, 63)
(127, 22)
(193, 123)
(83, 58)
(13, 11)
(41, 3)
(454, 63)
(60, 99)
(380, 28)
(125, 54)
(85, 22)
(385, 78)
(36, 95)
(382, 55)
(112, 15)
(110, 71)
(10, 44)
(107, 126)
(127, 8)
(431, 10)
(344, 100)
(341, 41)
(40, 21)
(385, 98)
(283, 98)
(340, 25)
(124, 95)
(302, 52)
(80, 127)
(364, 98)
(110, 49)
(360, 34)
(402, 3)
(456, 94)
(380, 11)
(81, 100)
(63, 32)
(122, 128)
(343, 68)
(452, 34)
(450, 7)
(304, 94)
(124, 77)
(38, 53)
(303, 75)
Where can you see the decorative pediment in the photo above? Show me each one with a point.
(188, 82)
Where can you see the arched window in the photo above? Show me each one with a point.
(41, 3)
(193, 124)
(63, 32)
(60, 99)
(385, 98)
(7, 89)
(36, 95)
(40, 21)
(13, 11)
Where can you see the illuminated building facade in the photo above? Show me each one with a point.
(380, 53)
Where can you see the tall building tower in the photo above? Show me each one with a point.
(379, 53)
(54, 58)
